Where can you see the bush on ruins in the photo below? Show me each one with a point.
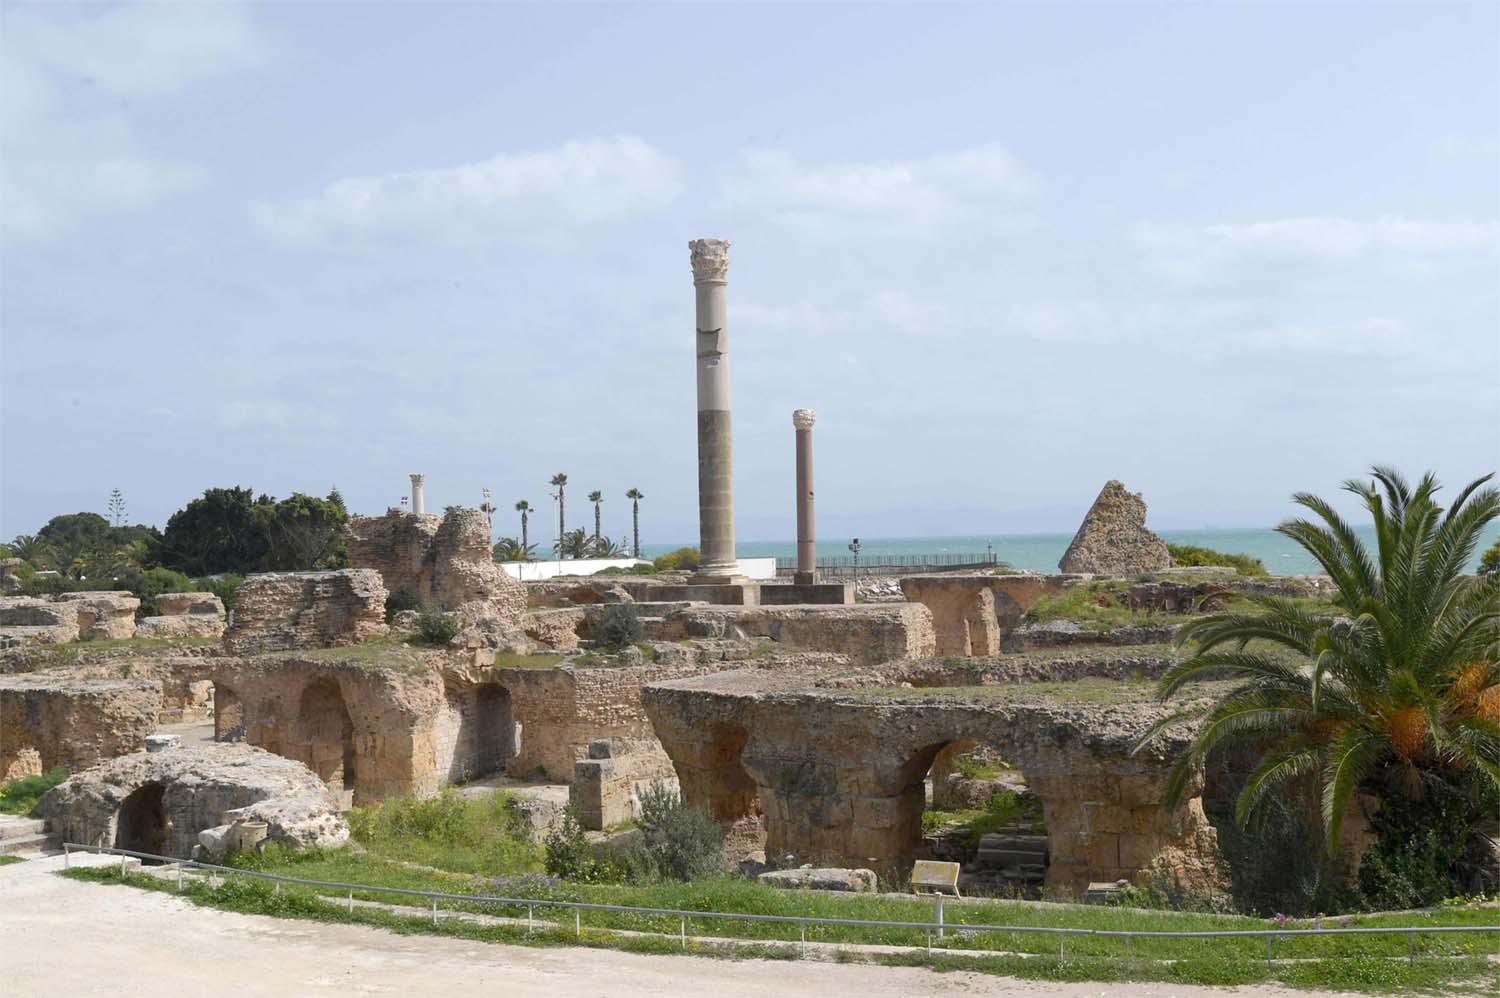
(618, 626)
(683, 559)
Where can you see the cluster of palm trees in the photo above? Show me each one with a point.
(576, 543)
(1394, 694)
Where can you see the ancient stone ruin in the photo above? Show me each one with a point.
(184, 615)
(161, 802)
(1113, 539)
(444, 563)
(286, 610)
(48, 721)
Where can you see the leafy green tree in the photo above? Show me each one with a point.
(223, 531)
(635, 496)
(524, 508)
(304, 532)
(575, 544)
(1397, 688)
(74, 533)
(560, 480)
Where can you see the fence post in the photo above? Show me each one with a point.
(682, 931)
(1269, 937)
(1411, 947)
(577, 923)
(939, 896)
(1062, 940)
(122, 867)
(434, 911)
(351, 901)
(528, 919)
(179, 878)
(803, 927)
(67, 857)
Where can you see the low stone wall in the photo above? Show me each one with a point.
(866, 633)
(103, 616)
(48, 721)
(29, 620)
(283, 611)
(607, 785)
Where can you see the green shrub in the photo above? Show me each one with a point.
(571, 856)
(683, 559)
(1420, 853)
(20, 796)
(223, 586)
(618, 626)
(1189, 556)
(434, 627)
(678, 842)
(1278, 863)
(485, 836)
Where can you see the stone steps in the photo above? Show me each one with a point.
(13, 826)
(38, 842)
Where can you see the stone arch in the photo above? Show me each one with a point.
(327, 734)
(141, 825)
(229, 714)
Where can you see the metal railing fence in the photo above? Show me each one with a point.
(873, 561)
(938, 925)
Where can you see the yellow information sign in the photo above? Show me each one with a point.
(932, 876)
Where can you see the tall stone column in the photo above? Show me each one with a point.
(416, 494)
(807, 545)
(710, 259)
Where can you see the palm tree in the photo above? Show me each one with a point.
(561, 481)
(32, 550)
(575, 544)
(635, 496)
(1398, 686)
(603, 547)
(510, 549)
(524, 508)
(596, 497)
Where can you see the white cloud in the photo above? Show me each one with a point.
(1212, 253)
(67, 72)
(979, 187)
(576, 184)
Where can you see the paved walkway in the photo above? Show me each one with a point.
(61, 937)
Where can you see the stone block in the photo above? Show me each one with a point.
(174, 604)
(288, 610)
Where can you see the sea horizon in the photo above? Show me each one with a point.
(1039, 552)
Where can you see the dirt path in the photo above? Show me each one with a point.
(61, 937)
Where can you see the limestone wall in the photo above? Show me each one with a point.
(866, 633)
(103, 616)
(288, 610)
(607, 785)
(185, 615)
(30, 620)
(47, 721)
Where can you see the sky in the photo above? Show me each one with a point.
(1221, 252)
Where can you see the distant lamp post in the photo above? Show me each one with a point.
(404, 501)
(489, 510)
(989, 553)
(854, 546)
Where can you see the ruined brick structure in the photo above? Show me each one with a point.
(1113, 539)
(185, 615)
(837, 776)
(441, 563)
(971, 614)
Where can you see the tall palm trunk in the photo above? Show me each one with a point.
(596, 521)
(635, 524)
(524, 545)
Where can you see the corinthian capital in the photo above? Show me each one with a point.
(803, 419)
(710, 260)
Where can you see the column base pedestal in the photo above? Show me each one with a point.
(717, 579)
(804, 578)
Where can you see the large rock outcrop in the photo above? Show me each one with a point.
(1113, 539)
(159, 802)
(442, 563)
(48, 721)
(280, 611)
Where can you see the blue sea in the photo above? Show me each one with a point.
(1040, 552)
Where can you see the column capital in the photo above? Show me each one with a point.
(418, 479)
(803, 419)
(710, 258)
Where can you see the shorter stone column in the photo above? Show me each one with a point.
(807, 546)
(417, 505)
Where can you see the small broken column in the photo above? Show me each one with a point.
(807, 545)
(417, 505)
(717, 562)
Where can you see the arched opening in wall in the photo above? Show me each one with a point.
(477, 735)
(142, 825)
(725, 789)
(229, 714)
(327, 734)
(977, 810)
